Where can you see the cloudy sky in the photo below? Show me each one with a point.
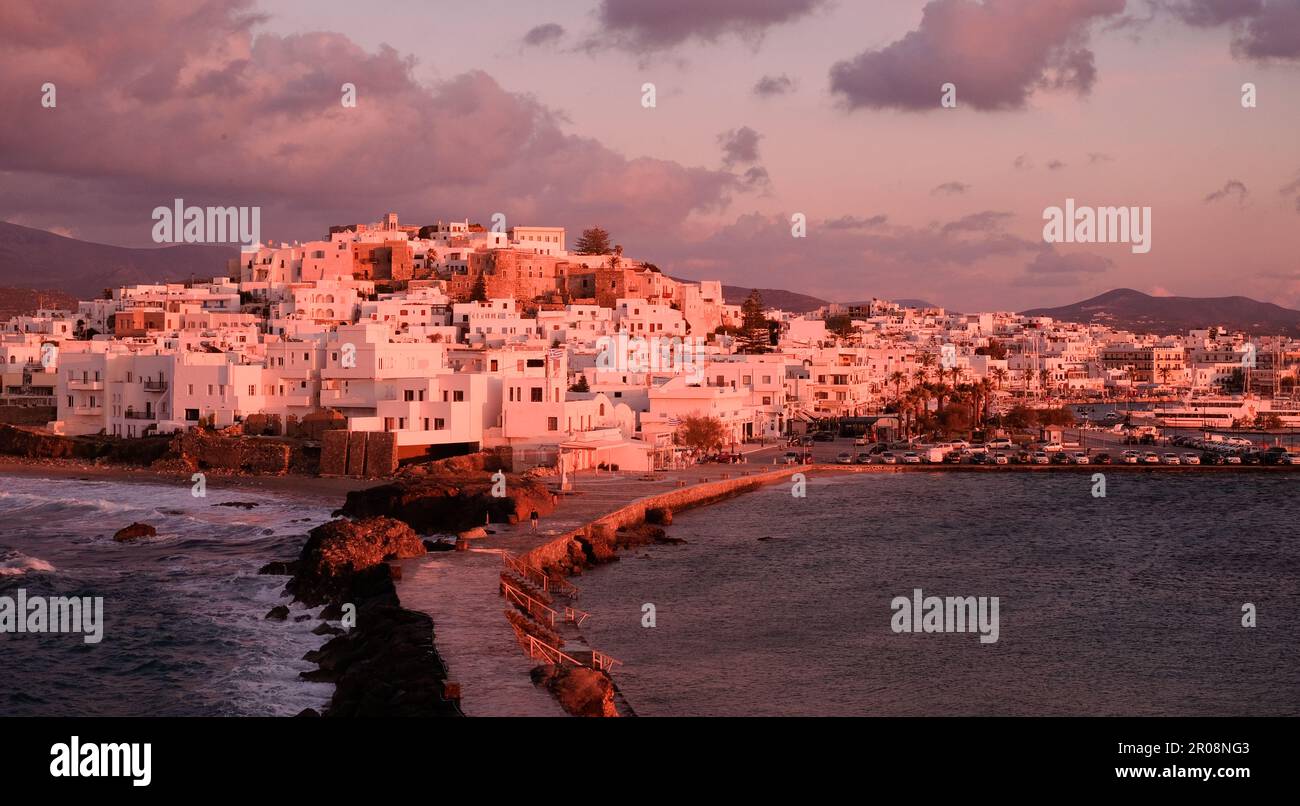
(764, 109)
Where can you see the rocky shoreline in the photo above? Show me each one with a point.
(382, 658)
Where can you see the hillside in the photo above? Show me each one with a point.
(34, 258)
(1127, 309)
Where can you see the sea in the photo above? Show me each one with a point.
(1131, 603)
(1137, 602)
(184, 627)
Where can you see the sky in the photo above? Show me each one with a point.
(763, 110)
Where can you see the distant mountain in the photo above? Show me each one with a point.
(34, 258)
(23, 301)
(918, 303)
(791, 301)
(1127, 309)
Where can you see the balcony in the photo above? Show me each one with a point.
(155, 386)
(87, 411)
(140, 415)
(86, 385)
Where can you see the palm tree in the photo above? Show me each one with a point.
(1000, 375)
(897, 378)
(927, 360)
(985, 387)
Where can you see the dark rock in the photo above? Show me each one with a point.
(303, 617)
(451, 503)
(308, 712)
(581, 691)
(327, 629)
(659, 516)
(134, 532)
(337, 550)
(278, 613)
(240, 504)
(279, 568)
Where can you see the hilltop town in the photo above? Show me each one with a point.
(392, 342)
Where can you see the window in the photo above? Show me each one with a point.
(458, 396)
(537, 395)
(552, 423)
(192, 415)
(439, 424)
(408, 395)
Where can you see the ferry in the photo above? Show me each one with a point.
(1221, 412)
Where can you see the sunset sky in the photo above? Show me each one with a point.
(765, 108)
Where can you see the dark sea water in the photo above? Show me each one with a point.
(184, 629)
(1125, 605)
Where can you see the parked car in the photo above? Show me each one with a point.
(1131, 457)
(980, 459)
(1191, 458)
(1053, 447)
(1101, 459)
(953, 458)
(960, 444)
(1001, 458)
(844, 459)
(861, 442)
(824, 436)
(1232, 459)
(999, 444)
(863, 459)
(889, 458)
(1041, 458)
(1214, 458)
(1151, 458)
(1169, 459)
(1289, 459)
(791, 458)
(911, 458)
(1060, 458)
(1080, 458)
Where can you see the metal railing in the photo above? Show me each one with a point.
(537, 576)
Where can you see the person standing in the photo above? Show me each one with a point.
(532, 517)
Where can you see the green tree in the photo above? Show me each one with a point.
(479, 292)
(580, 385)
(753, 325)
(700, 433)
(594, 241)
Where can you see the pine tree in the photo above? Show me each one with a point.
(479, 292)
(594, 241)
(753, 325)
